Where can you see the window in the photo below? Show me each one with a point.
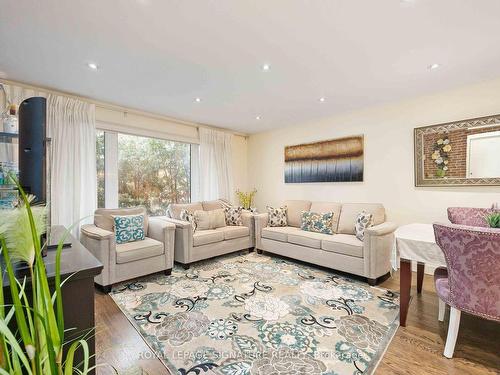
(143, 171)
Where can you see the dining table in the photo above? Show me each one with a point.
(414, 244)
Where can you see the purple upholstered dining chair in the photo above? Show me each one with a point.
(471, 281)
(471, 216)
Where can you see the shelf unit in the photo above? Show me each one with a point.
(8, 192)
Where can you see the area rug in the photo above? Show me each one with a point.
(247, 313)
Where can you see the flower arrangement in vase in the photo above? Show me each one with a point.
(442, 147)
(246, 199)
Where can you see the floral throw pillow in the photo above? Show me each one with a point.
(188, 216)
(233, 215)
(129, 228)
(277, 216)
(315, 222)
(363, 221)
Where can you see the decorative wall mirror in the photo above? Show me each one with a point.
(458, 153)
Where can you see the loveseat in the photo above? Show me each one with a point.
(203, 244)
(341, 251)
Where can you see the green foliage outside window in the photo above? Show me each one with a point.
(153, 173)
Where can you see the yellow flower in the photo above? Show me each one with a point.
(440, 141)
(435, 156)
(447, 148)
(446, 161)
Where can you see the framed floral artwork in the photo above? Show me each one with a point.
(460, 153)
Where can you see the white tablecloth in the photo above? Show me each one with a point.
(416, 242)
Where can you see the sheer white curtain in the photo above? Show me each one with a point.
(71, 125)
(216, 172)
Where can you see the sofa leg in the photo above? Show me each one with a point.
(168, 272)
(105, 288)
(186, 266)
(371, 282)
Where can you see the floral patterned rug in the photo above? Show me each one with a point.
(247, 313)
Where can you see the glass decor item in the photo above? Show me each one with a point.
(10, 122)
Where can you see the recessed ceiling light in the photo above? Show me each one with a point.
(266, 67)
(433, 66)
(257, 118)
(92, 66)
(197, 100)
(322, 99)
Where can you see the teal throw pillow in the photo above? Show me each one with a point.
(315, 222)
(129, 228)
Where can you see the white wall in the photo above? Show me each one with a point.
(388, 177)
(240, 164)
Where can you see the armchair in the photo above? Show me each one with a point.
(471, 281)
(132, 259)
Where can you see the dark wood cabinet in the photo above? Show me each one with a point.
(81, 267)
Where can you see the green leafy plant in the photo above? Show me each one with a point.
(246, 199)
(493, 220)
(36, 346)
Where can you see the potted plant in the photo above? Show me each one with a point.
(246, 199)
(35, 345)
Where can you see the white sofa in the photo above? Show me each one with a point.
(341, 251)
(204, 244)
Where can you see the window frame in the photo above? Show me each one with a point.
(111, 163)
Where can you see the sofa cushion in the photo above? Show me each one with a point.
(276, 216)
(133, 251)
(323, 207)
(294, 211)
(309, 239)
(278, 233)
(129, 228)
(363, 221)
(233, 215)
(215, 205)
(315, 222)
(350, 212)
(103, 217)
(174, 209)
(346, 244)
(204, 237)
(232, 232)
(210, 219)
(189, 217)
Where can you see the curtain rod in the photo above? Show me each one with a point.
(119, 108)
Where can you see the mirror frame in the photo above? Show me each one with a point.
(419, 133)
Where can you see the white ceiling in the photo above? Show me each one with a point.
(159, 55)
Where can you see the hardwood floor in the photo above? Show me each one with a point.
(415, 349)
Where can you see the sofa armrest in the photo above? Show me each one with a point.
(260, 223)
(381, 229)
(377, 245)
(101, 243)
(247, 219)
(163, 231)
(93, 231)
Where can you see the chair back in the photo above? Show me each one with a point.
(473, 260)
(103, 217)
(471, 216)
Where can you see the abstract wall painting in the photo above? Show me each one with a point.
(336, 160)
